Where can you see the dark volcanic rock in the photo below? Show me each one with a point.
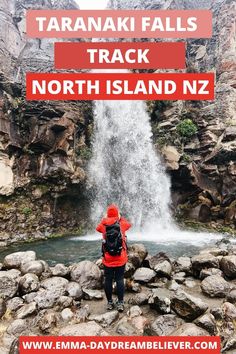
(208, 323)
(202, 261)
(9, 281)
(161, 264)
(190, 329)
(164, 325)
(228, 266)
(215, 286)
(144, 275)
(44, 145)
(188, 306)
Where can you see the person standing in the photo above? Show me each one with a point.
(115, 256)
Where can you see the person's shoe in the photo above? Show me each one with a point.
(120, 306)
(110, 305)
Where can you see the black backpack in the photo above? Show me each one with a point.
(113, 240)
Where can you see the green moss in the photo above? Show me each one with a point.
(43, 188)
(226, 230)
(162, 141)
(27, 211)
(76, 232)
(201, 227)
(85, 153)
(184, 206)
(27, 151)
(186, 158)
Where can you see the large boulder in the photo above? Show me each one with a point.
(137, 254)
(35, 267)
(125, 328)
(210, 271)
(45, 299)
(183, 264)
(231, 296)
(60, 270)
(189, 329)
(161, 264)
(14, 260)
(228, 266)
(90, 328)
(164, 325)
(188, 306)
(74, 290)
(26, 310)
(207, 322)
(17, 327)
(15, 303)
(28, 283)
(87, 274)
(55, 284)
(144, 275)
(106, 319)
(9, 281)
(202, 261)
(139, 299)
(215, 286)
(229, 311)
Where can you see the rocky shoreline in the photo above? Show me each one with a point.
(45, 146)
(164, 296)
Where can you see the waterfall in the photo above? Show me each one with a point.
(125, 168)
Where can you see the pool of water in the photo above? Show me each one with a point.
(70, 250)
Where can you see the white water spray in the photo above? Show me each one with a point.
(124, 168)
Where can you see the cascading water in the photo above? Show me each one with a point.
(125, 168)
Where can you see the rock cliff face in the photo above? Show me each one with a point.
(43, 145)
(197, 139)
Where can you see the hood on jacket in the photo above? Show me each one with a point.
(112, 211)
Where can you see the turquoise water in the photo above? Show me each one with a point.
(69, 250)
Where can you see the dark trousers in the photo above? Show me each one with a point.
(116, 273)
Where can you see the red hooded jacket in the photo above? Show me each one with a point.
(112, 217)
